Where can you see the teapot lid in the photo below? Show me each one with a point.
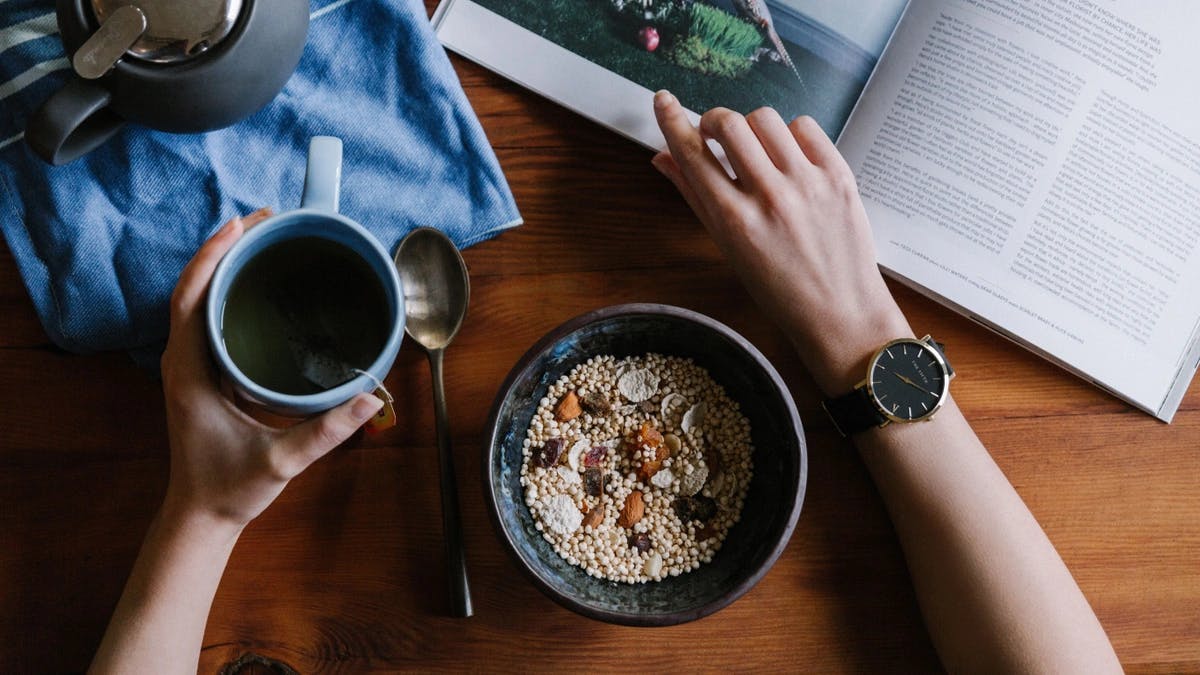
(176, 30)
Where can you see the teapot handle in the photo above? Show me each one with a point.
(72, 122)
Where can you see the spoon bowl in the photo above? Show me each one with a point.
(436, 287)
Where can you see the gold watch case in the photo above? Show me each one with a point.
(927, 343)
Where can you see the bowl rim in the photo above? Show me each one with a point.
(492, 499)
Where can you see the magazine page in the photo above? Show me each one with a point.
(1038, 164)
(606, 58)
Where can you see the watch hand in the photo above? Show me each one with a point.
(909, 382)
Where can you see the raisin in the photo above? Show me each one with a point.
(593, 482)
(704, 509)
(684, 506)
(547, 455)
(712, 457)
(595, 404)
(640, 541)
(595, 456)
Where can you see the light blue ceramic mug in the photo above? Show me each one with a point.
(316, 217)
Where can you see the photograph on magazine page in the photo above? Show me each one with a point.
(802, 57)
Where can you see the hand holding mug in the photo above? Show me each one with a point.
(225, 464)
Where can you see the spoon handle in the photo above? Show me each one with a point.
(456, 562)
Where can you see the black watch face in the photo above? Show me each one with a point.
(908, 380)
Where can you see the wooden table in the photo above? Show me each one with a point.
(344, 571)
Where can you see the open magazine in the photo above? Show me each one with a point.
(1032, 164)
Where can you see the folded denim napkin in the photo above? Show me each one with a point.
(100, 242)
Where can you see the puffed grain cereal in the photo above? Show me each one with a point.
(654, 425)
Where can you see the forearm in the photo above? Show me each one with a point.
(159, 622)
(995, 594)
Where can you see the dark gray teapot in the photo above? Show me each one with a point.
(182, 66)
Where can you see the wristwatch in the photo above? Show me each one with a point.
(907, 381)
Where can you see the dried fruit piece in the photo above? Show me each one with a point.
(595, 404)
(705, 509)
(683, 506)
(633, 510)
(576, 452)
(694, 508)
(595, 455)
(593, 518)
(648, 470)
(706, 532)
(663, 479)
(640, 541)
(568, 408)
(714, 460)
(638, 385)
(648, 436)
(694, 417)
(547, 455)
(593, 482)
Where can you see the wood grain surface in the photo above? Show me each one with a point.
(344, 572)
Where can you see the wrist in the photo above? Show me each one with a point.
(179, 515)
(839, 355)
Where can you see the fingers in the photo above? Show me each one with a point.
(256, 217)
(777, 140)
(187, 349)
(310, 440)
(816, 145)
(193, 281)
(185, 361)
(696, 162)
(742, 146)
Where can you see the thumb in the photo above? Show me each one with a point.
(310, 440)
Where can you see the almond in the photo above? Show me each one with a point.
(593, 518)
(568, 408)
(633, 510)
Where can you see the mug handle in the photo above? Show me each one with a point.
(323, 176)
(72, 122)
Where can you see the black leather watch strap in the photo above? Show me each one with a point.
(942, 351)
(853, 412)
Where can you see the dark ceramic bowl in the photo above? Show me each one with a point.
(772, 503)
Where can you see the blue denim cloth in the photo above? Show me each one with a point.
(100, 242)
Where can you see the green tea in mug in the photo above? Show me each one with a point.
(304, 315)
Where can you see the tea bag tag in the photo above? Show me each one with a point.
(386, 417)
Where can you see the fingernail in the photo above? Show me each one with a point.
(227, 227)
(662, 99)
(365, 407)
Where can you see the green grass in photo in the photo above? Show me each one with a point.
(722, 32)
(717, 43)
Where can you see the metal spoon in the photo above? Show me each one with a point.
(436, 289)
